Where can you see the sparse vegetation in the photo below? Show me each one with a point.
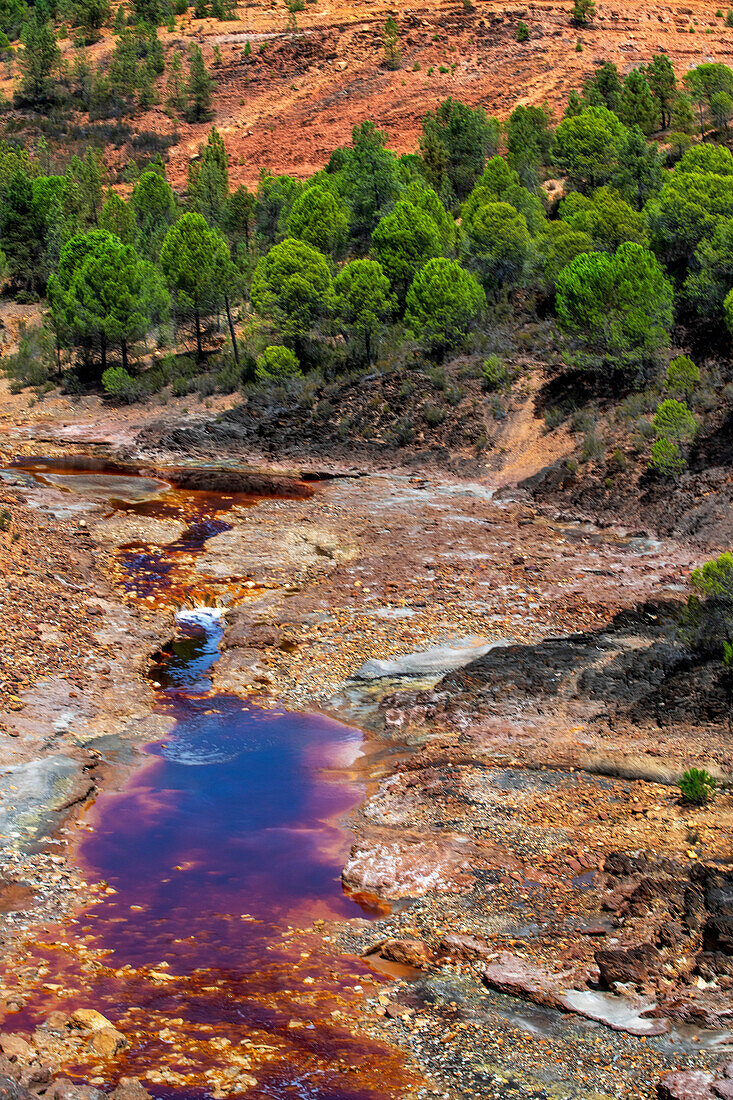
(697, 786)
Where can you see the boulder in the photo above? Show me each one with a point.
(407, 952)
(520, 978)
(460, 946)
(8, 1068)
(129, 1088)
(108, 1042)
(627, 964)
(16, 1048)
(55, 1021)
(723, 1089)
(88, 1019)
(64, 1089)
(689, 1084)
(13, 1090)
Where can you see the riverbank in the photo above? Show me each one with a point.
(481, 813)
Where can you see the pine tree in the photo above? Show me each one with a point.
(637, 107)
(583, 12)
(39, 61)
(199, 87)
(391, 39)
(661, 79)
(175, 91)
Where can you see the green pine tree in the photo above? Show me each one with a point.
(199, 87)
(39, 61)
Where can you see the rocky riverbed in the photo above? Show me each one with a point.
(554, 922)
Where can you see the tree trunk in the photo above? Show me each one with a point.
(231, 330)
(368, 343)
(124, 354)
(199, 349)
(103, 350)
(58, 357)
(702, 129)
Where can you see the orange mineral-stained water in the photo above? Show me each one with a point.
(218, 860)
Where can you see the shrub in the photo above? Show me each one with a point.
(496, 374)
(593, 449)
(437, 377)
(32, 364)
(583, 12)
(682, 376)
(120, 385)
(666, 458)
(276, 364)
(522, 32)
(434, 415)
(674, 421)
(708, 622)
(554, 417)
(729, 18)
(697, 786)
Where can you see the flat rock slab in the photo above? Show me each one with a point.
(618, 1013)
(435, 661)
(32, 794)
(691, 1084)
(122, 529)
(110, 486)
(521, 978)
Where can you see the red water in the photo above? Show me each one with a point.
(216, 853)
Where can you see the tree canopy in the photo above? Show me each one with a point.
(620, 308)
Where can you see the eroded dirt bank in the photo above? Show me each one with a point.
(521, 822)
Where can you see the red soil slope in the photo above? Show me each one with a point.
(286, 109)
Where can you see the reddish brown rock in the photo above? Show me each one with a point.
(510, 974)
(407, 952)
(12, 1090)
(63, 1089)
(627, 964)
(690, 1084)
(130, 1088)
(461, 946)
(16, 1048)
(107, 1042)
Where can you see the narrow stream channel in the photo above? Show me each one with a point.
(216, 858)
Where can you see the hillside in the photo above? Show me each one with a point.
(287, 108)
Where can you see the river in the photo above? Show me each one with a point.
(215, 858)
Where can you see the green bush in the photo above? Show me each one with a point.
(32, 364)
(674, 421)
(666, 458)
(697, 786)
(434, 415)
(497, 376)
(674, 426)
(593, 449)
(276, 364)
(554, 416)
(120, 385)
(682, 377)
(708, 622)
(522, 32)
